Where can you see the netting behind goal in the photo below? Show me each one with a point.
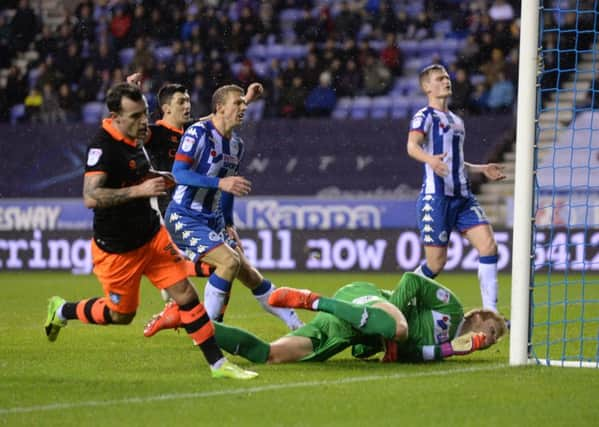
(564, 302)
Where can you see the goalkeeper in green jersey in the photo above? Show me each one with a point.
(420, 320)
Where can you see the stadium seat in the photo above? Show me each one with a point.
(92, 112)
(406, 85)
(400, 107)
(409, 47)
(255, 111)
(342, 108)
(377, 45)
(297, 51)
(413, 8)
(360, 107)
(256, 52)
(17, 112)
(431, 46)
(380, 107)
(448, 57)
(414, 65)
(163, 53)
(417, 102)
(451, 44)
(276, 51)
(441, 28)
(289, 16)
(476, 79)
(126, 56)
(33, 75)
(236, 67)
(261, 68)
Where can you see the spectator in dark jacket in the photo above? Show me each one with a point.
(322, 99)
(24, 26)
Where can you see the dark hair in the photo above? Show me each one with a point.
(166, 92)
(426, 71)
(116, 94)
(220, 95)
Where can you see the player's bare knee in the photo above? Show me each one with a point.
(489, 247)
(121, 318)
(182, 292)
(401, 330)
(278, 354)
(436, 264)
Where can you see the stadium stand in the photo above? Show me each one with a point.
(293, 43)
(200, 36)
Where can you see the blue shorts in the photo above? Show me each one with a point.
(196, 234)
(439, 215)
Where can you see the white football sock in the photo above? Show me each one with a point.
(287, 315)
(214, 300)
(487, 276)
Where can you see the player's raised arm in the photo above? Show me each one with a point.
(253, 93)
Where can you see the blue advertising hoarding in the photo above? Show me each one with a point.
(302, 213)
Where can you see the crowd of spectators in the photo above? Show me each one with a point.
(352, 48)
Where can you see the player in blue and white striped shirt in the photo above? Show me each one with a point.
(199, 218)
(446, 203)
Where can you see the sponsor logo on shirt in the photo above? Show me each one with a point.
(230, 161)
(442, 323)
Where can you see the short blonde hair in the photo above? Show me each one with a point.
(486, 314)
(220, 95)
(427, 71)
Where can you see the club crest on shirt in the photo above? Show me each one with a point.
(93, 157)
(115, 298)
(443, 295)
(187, 143)
(417, 122)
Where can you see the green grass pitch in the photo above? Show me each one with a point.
(113, 376)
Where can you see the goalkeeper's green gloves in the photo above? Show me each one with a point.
(464, 344)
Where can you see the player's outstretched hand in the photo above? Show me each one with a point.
(494, 172)
(439, 166)
(468, 343)
(135, 79)
(236, 185)
(232, 233)
(153, 187)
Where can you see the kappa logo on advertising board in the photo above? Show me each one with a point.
(273, 214)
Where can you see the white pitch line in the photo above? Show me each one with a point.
(199, 395)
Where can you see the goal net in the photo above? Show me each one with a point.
(563, 306)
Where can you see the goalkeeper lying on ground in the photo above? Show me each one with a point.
(420, 320)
